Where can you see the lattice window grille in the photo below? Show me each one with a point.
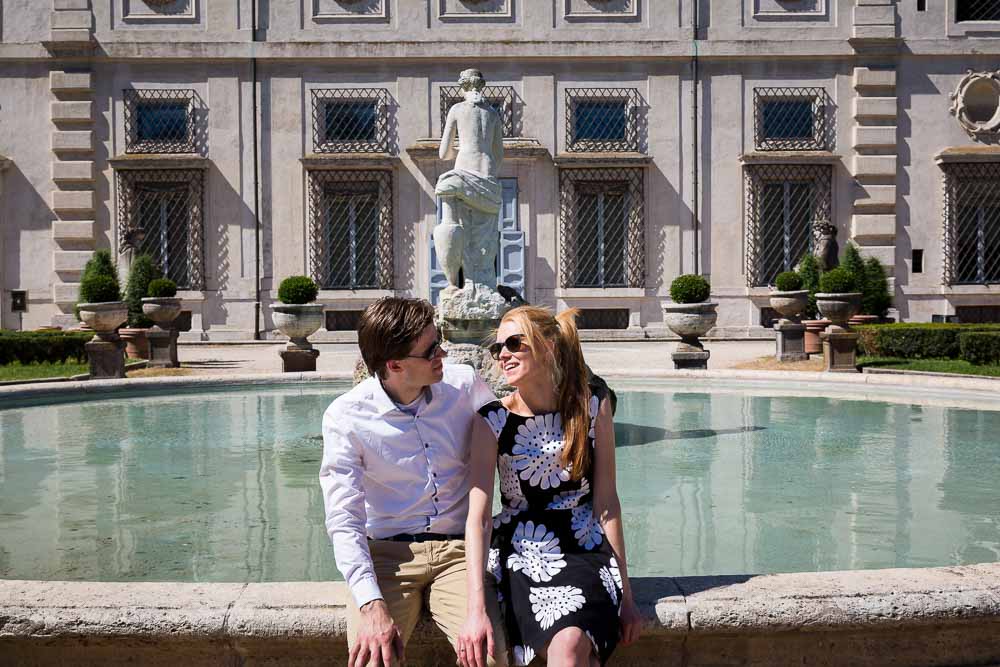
(971, 223)
(792, 119)
(602, 119)
(351, 236)
(160, 213)
(501, 98)
(786, 206)
(977, 10)
(602, 228)
(350, 120)
(160, 121)
(602, 318)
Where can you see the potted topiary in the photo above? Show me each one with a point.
(102, 310)
(298, 318)
(142, 271)
(788, 297)
(838, 298)
(101, 307)
(162, 306)
(877, 300)
(855, 264)
(690, 316)
(809, 269)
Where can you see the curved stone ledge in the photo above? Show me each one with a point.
(933, 616)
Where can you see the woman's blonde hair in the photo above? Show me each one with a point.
(568, 371)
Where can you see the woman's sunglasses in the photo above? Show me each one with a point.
(513, 343)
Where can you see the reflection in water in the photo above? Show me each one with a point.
(224, 487)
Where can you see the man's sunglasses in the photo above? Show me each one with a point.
(431, 352)
(513, 343)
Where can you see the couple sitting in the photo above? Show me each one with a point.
(408, 475)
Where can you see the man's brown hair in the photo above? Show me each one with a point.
(388, 329)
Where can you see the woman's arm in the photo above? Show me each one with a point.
(446, 151)
(608, 510)
(478, 525)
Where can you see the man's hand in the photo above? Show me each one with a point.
(476, 632)
(378, 642)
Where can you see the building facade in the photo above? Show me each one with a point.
(243, 141)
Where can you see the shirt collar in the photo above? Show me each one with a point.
(384, 402)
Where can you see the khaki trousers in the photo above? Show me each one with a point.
(413, 575)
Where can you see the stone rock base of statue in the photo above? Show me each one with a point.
(470, 314)
(480, 360)
(839, 346)
(790, 341)
(162, 348)
(298, 361)
(106, 357)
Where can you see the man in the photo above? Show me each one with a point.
(395, 484)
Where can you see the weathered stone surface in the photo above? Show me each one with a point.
(73, 200)
(873, 225)
(73, 141)
(70, 81)
(73, 172)
(874, 165)
(71, 111)
(78, 231)
(865, 77)
(877, 136)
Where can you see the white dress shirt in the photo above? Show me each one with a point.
(386, 471)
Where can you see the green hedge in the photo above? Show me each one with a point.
(916, 340)
(980, 347)
(42, 346)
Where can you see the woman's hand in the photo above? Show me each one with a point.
(476, 632)
(631, 621)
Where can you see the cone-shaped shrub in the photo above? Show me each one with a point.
(876, 299)
(809, 271)
(142, 273)
(95, 291)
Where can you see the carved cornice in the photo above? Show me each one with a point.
(349, 161)
(968, 154)
(790, 157)
(516, 149)
(159, 161)
(596, 159)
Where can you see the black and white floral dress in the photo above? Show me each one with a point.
(553, 565)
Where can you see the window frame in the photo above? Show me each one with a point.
(959, 179)
(634, 231)
(758, 176)
(629, 143)
(134, 98)
(378, 97)
(963, 22)
(353, 182)
(822, 124)
(129, 226)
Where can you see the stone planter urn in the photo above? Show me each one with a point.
(106, 351)
(298, 322)
(813, 330)
(789, 337)
(163, 310)
(838, 308)
(789, 304)
(690, 321)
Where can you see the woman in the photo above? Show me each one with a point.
(557, 549)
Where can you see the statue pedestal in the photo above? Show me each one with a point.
(162, 348)
(839, 348)
(690, 359)
(479, 358)
(298, 361)
(790, 341)
(470, 314)
(107, 358)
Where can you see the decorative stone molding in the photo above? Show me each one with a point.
(324, 11)
(790, 157)
(601, 10)
(976, 105)
(349, 161)
(159, 11)
(152, 161)
(514, 149)
(470, 10)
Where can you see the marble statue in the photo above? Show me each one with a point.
(466, 238)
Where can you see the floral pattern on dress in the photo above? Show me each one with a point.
(536, 552)
(610, 585)
(538, 451)
(523, 655)
(493, 564)
(550, 603)
(570, 499)
(497, 419)
(595, 407)
(586, 528)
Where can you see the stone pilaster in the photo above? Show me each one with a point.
(72, 144)
(874, 134)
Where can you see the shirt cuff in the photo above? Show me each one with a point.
(365, 590)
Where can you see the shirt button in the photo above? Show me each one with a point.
(426, 445)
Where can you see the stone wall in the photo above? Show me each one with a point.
(935, 616)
